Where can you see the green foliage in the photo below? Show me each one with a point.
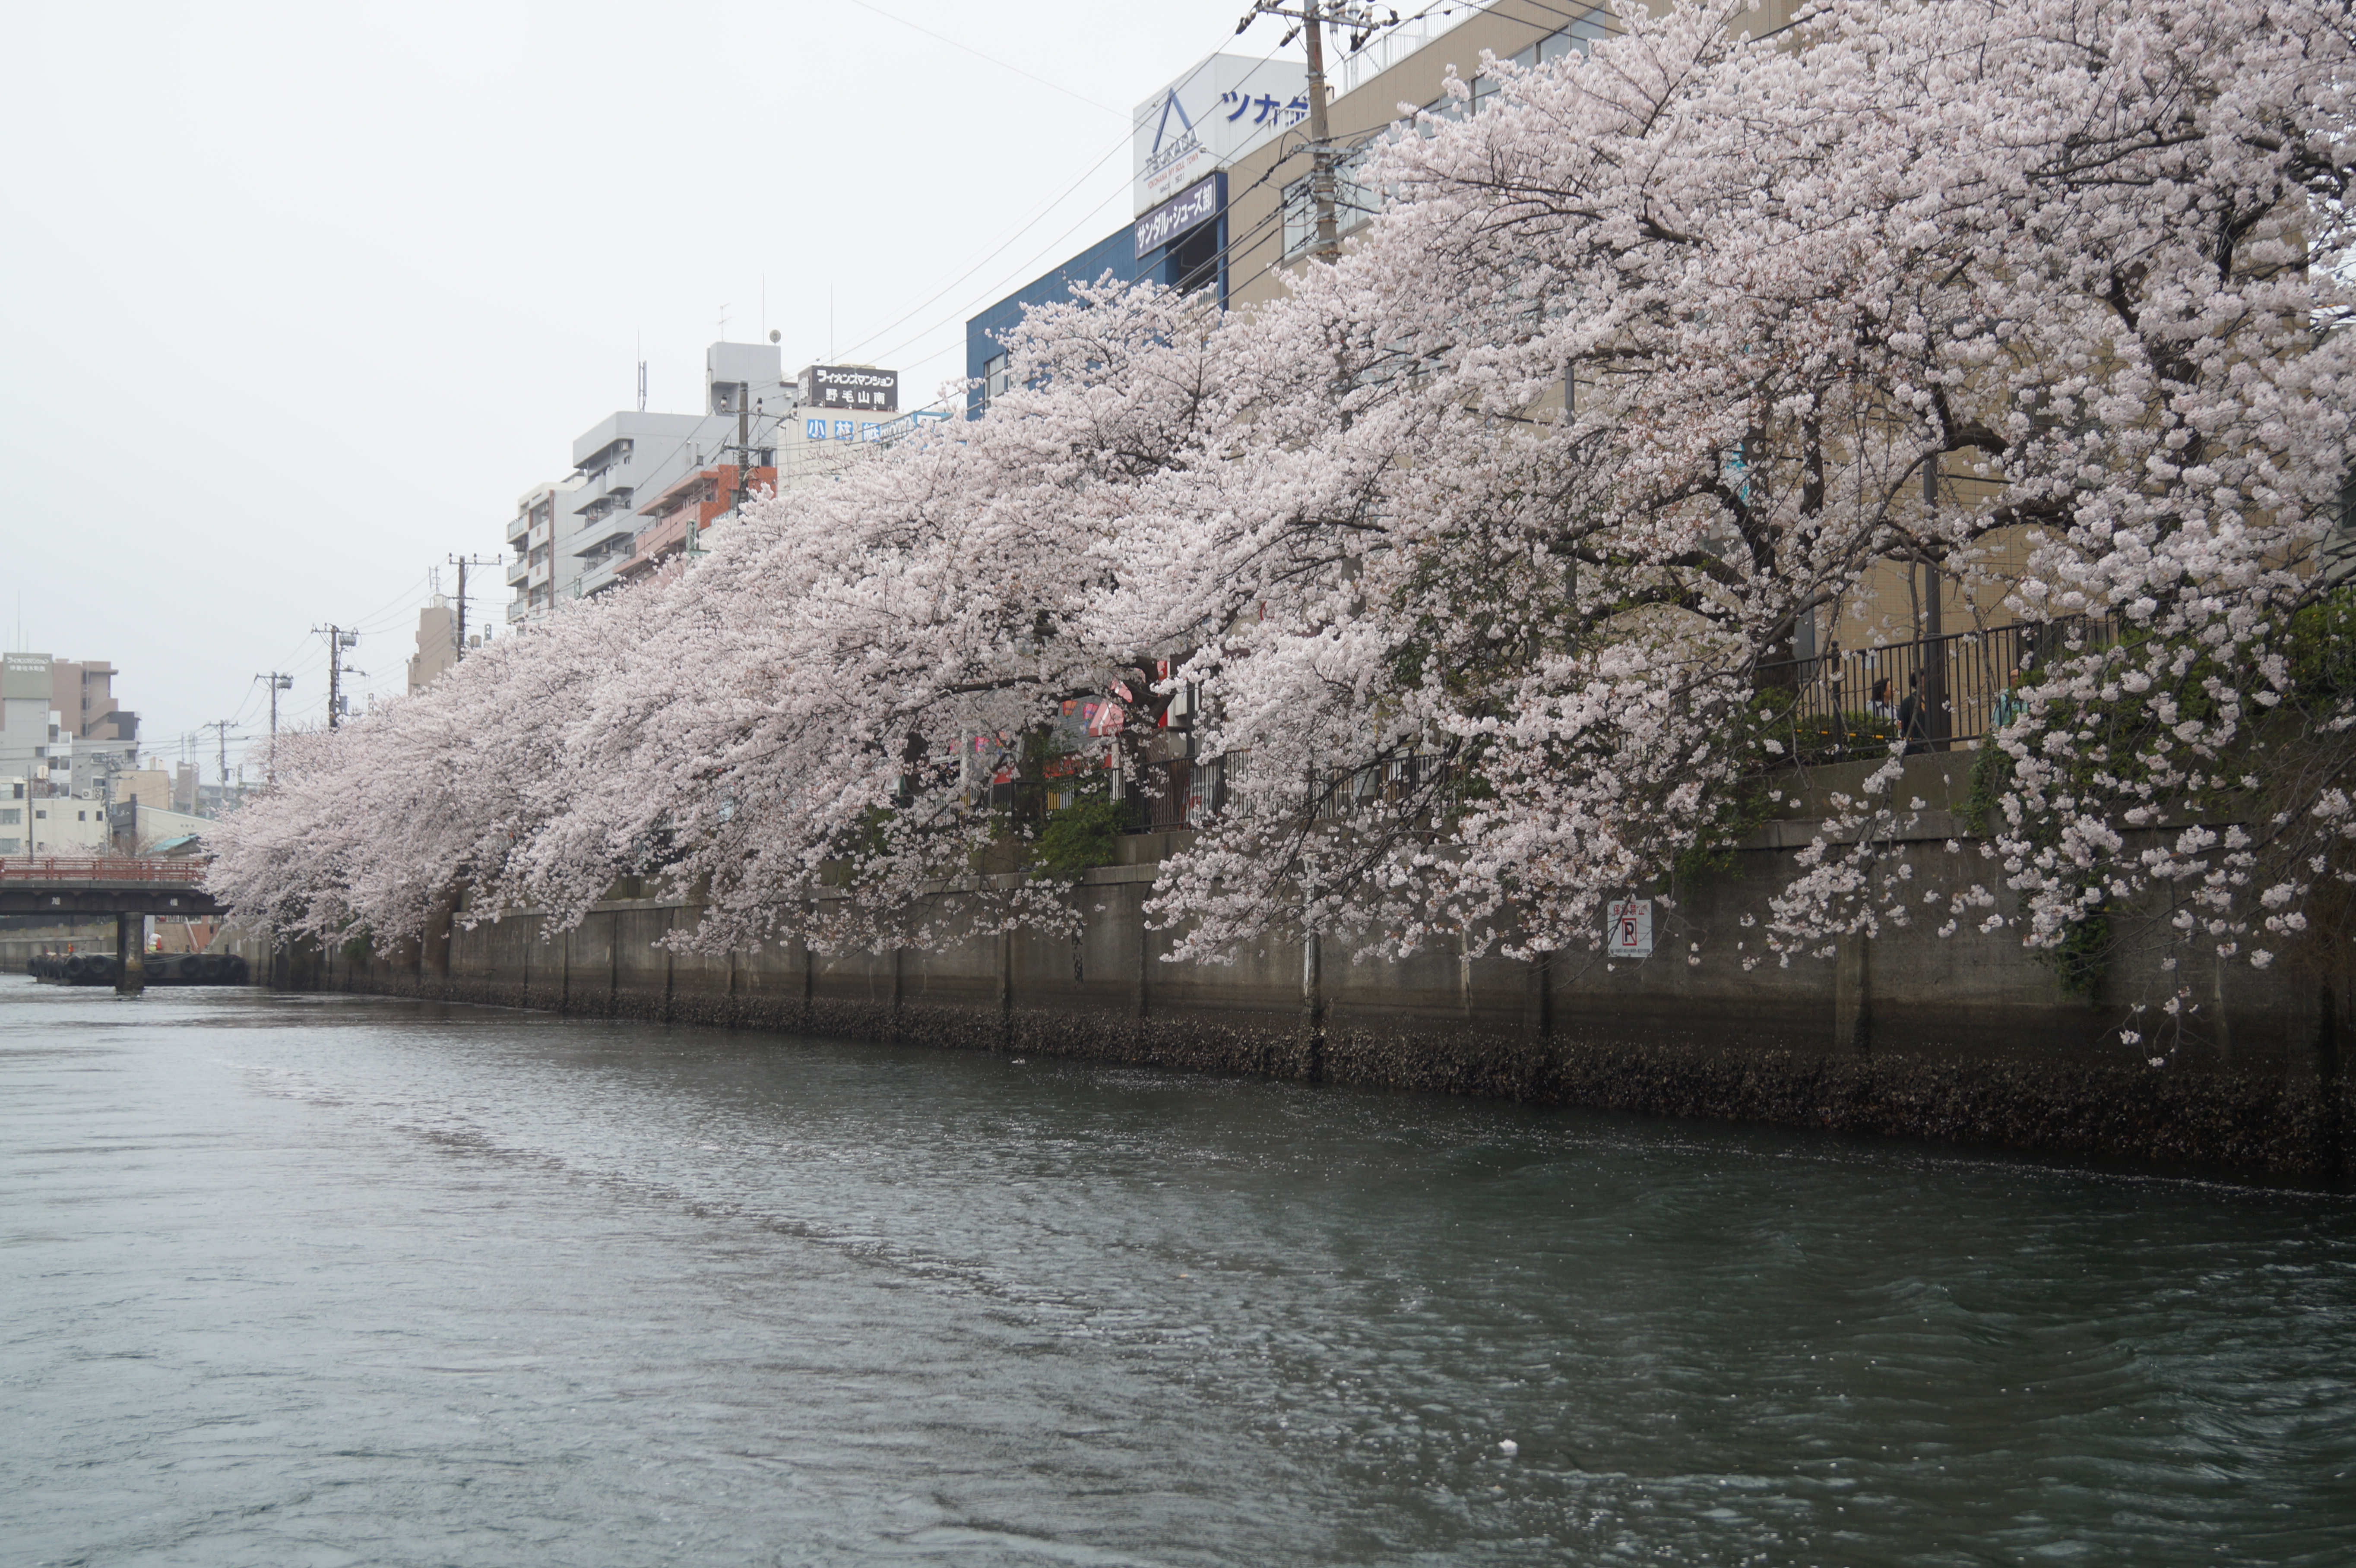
(2082, 957)
(1084, 834)
(1991, 777)
(1816, 737)
(1737, 815)
(2321, 650)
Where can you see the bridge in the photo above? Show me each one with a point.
(129, 890)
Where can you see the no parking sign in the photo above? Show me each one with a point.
(1631, 930)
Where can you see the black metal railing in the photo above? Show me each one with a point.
(1940, 691)
(1188, 791)
(1937, 691)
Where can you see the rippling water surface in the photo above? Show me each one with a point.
(301, 1280)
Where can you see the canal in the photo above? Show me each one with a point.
(326, 1280)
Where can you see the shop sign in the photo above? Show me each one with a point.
(1190, 209)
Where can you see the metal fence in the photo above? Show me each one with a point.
(1844, 703)
(1186, 793)
(97, 869)
(1943, 690)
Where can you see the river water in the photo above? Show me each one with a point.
(322, 1280)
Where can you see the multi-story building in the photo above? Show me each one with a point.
(1184, 140)
(33, 823)
(672, 522)
(438, 643)
(1112, 258)
(578, 536)
(534, 573)
(1271, 223)
(60, 730)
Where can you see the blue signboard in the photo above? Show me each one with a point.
(1190, 209)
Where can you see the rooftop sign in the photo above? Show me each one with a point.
(856, 387)
(1210, 117)
(25, 675)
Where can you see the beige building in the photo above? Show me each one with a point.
(438, 643)
(1271, 229)
(148, 786)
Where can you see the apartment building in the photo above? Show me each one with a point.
(1183, 141)
(571, 538)
(32, 823)
(61, 726)
(438, 643)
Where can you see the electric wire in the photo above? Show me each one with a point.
(1126, 139)
(976, 54)
(1597, 16)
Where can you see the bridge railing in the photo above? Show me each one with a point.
(98, 869)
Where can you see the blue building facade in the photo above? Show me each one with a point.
(1196, 259)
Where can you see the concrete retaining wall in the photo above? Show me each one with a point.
(1965, 1040)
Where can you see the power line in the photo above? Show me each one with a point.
(976, 54)
(1126, 140)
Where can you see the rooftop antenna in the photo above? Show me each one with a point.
(724, 324)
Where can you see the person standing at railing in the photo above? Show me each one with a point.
(1914, 717)
(2007, 705)
(1877, 704)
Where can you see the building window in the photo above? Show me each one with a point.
(11, 814)
(1581, 34)
(993, 378)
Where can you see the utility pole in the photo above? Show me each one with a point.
(220, 727)
(462, 562)
(1310, 18)
(337, 641)
(278, 683)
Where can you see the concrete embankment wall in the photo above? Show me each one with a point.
(1967, 1039)
(19, 946)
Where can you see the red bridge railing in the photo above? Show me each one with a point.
(93, 869)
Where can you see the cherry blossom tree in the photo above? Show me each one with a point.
(1490, 548)
(2084, 255)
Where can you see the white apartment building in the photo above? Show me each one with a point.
(34, 824)
(634, 472)
(568, 538)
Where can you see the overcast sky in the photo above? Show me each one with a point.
(298, 299)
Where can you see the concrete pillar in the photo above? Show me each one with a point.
(130, 954)
(1465, 971)
(1006, 990)
(1312, 1007)
(433, 941)
(1144, 954)
(671, 962)
(1853, 996)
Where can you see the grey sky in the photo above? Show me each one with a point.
(299, 298)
